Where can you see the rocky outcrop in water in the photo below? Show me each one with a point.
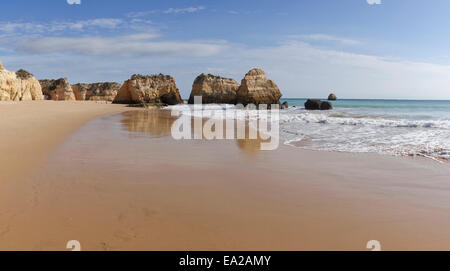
(214, 89)
(57, 90)
(332, 97)
(18, 86)
(312, 104)
(256, 89)
(105, 91)
(152, 89)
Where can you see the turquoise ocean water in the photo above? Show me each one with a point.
(398, 127)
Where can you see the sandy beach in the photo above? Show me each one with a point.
(117, 181)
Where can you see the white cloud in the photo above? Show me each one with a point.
(74, 2)
(143, 44)
(184, 10)
(374, 2)
(167, 11)
(12, 27)
(141, 13)
(323, 37)
(19, 28)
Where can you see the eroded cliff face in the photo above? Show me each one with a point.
(57, 90)
(214, 89)
(105, 91)
(257, 89)
(152, 89)
(18, 86)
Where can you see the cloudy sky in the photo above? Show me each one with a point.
(356, 48)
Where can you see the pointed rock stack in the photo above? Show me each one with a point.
(257, 89)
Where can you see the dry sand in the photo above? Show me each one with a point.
(121, 183)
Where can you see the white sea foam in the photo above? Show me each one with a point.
(345, 130)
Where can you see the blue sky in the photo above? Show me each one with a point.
(387, 49)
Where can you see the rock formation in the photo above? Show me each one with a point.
(317, 105)
(57, 90)
(214, 89)
(256, 89)
(326, 106)
(106, 91)
(332, 97)
(284, 105)
(18, 86)
(153, 89)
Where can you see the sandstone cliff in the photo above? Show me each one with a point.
(256, 89)
(18, 86)
(57, 90)
(106, 91)
(214, 89)
(153, 89)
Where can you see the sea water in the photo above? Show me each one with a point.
(396, 127)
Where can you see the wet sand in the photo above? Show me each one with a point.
(120, 182)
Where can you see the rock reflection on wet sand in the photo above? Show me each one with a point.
(151, 123)
(156, 123)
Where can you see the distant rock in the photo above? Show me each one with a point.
(57, 90)
(214, 89)
(152, 89)
(19, 86)
(332, 97)
(105, 91)
(312, 104)
(256, 89)
(284, 105)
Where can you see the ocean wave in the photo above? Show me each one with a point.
(345, 130)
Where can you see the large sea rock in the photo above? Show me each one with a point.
(214, 89)
(152, 89)
(257, 89)
(57, 90)
(312, 104)
(19, 86)
(105, 91)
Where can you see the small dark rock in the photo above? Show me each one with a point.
(284, 105)
(332, 97)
